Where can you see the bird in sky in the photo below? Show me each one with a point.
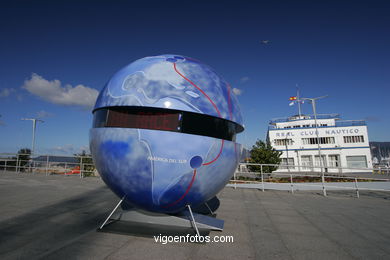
(264, 41)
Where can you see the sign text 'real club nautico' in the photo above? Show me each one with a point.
(314, 132)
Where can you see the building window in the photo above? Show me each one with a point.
(334, 160)
(357, 161)
(353, 139)
(307, 162)
(314, 140)
(324, 124)
(317, 161)
(296, 126)
(284, 142)
(284, 162)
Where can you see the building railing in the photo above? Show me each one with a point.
(307, 117)
(338, 123)
(341, 123)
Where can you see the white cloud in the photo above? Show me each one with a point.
(237, 91)
(43, 113)
(54, 92)
(244, 79)
(5, 92)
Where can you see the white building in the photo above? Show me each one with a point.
(343, 144)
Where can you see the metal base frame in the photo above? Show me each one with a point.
(185, 219)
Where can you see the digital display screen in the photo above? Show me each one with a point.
(167, 121)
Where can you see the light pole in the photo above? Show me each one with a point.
(313, 103)
(286, 143)
(285, 140)
(34, 120)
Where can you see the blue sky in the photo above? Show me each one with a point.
(56, 55)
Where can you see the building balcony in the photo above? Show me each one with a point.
(303, 117)
(338, 123)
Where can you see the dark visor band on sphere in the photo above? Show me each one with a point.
(166, 120)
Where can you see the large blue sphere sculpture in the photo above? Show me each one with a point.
(164, 133)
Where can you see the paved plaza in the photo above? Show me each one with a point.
(56, 217)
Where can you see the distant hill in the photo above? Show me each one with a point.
(59, 159)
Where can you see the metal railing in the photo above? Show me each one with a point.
(267, 178)
(47, 164)
(327, 168)
(308, 117)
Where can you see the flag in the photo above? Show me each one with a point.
(291, 104)
(293, 98)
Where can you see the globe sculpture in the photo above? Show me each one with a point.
(164, 133)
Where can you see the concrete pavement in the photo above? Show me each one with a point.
(55, 217)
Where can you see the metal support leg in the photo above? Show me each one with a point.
(207, 205)
(193, 220)
(112, 212)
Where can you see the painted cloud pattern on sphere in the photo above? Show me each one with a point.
(152, 168)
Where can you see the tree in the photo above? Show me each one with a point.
(263, 153)
(87, 163)
(23, 158)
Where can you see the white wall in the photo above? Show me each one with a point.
(339, 147)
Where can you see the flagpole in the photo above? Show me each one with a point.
(299, 103)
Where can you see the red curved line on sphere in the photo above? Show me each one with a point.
(193, 84)
(185, 193)
(219, 114)
(220, 151)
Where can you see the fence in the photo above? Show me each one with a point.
(48, 164)
(267, 178)
(329, 168)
